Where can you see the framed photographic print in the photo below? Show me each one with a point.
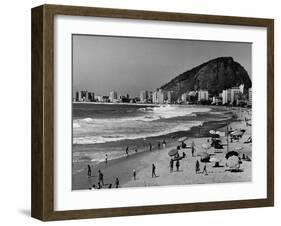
(141, 112)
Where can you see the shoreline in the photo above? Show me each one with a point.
(164, 104)
(124, 165)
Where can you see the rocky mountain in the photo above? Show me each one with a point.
(215, 75)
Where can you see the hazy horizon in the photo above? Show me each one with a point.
(128, 64)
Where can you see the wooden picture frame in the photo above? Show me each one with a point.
(42, 203)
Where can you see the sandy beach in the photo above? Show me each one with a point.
(142, 161)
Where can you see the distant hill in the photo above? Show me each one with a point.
(215, 75)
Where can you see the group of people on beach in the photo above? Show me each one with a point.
(176, 158)
(150, 147)
(101, 183)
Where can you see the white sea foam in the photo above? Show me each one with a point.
(132, 136)
(151, 114)
(149, 122)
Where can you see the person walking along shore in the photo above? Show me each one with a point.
(116, 182)
(101, 178)
(197, 167)
(153, 170)
(89, 171)
(178, 165)
(171, 165)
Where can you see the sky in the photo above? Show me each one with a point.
(128, 65)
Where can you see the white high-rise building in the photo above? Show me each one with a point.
(144, 96)
(226, 96)
(203, 95)
(113, 96)
(155, 97)
(162, 96)
(234, 94)
(241, 87)
(184, 97)
(169, 97)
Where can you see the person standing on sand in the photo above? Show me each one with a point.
(197, 167)
(150, 147)
(159, 145)
(153, 170)
(164, 144)
(116, 182)
(134, 174)
(178, 165)
(127, 151)
(192, 148)
(205, 169)
(136, 149)
(171, 165)
(89, 171)
(101, 178)
(106, 158)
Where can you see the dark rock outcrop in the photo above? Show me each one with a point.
(215, 75)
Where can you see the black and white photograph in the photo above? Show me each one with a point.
(160, 112)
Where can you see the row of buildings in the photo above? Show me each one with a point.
(86, 96)
(232, 96)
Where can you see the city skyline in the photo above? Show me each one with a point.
(142, 63)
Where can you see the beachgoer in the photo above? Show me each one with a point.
(134, 174)
(197, 168)
(89, 171)
(159, 145)
(192, 150)
(178, 164)
(153, 170)
(101, 178)
(110, 186)
(205, 169)
(136, 149)
(183, 145)
(150, 147)
(164, 144)
(106, 158)
(127, 151)
(178, 147)
(116, 182)
(171, 165)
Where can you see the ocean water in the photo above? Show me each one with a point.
(103, 123)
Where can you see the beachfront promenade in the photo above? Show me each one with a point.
(142, 163)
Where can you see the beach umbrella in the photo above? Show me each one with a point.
(231, 153)
(205, 157)
(214, 159)
(238, 148)
(173, 152)
(206, 146)
(221, 134)
(237, 133)
(215, 135)
(233, 162)
(182, 139)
